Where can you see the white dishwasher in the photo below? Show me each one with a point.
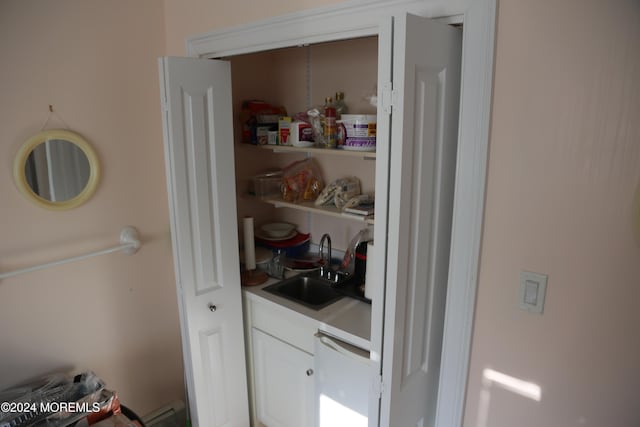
(342, 378)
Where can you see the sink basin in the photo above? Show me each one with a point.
(312, 292)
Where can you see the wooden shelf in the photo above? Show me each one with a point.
(311, 207)
(318, 151)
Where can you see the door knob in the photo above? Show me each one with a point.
(212, 307)
(309, 372)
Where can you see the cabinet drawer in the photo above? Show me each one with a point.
(291, 327)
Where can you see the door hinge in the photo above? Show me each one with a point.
(387, 96)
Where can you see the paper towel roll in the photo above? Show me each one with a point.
(249, 244)
(369, 279)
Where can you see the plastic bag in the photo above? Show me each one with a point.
(348, 187)
(339, 192)
(316, 118)
(365, 200)
(301, 181)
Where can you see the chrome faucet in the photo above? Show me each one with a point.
(327, 238)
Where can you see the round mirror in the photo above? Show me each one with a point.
(56, 169)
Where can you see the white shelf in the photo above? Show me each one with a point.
(311, 207)
(368, 155)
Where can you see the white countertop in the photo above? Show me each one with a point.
(347, 319)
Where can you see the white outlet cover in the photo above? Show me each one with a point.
(533, 287)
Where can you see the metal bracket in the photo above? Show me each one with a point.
(386, 97)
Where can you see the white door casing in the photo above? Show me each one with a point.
(198, 134)
(360, 19)
(368, 17)
(424, 131)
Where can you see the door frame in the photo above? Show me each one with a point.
(362, 18)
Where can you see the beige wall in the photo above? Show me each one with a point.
(563, 167)
(185, 18)
(117, 315)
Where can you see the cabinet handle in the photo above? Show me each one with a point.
(212, 307)
(309, 372)
(328, 342)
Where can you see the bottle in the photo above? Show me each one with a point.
(341, 107)
(348, 264)
(330, 126)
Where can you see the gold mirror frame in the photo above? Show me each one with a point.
(58, 134)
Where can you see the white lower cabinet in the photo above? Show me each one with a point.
(284, 382)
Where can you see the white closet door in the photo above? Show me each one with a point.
(426, 84)
(201, 183)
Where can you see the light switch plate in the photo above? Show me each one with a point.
(533, 287)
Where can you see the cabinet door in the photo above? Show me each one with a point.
(200, 179)
(426, 84)
(284, 382)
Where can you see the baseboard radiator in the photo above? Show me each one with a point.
(172, 415)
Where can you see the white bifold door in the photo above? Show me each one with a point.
(418, 170)
(198, 135)
(424, 134)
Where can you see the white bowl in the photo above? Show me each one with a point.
(277, 229)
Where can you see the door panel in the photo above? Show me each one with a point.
(426, 79)
(200, 172)
(203, 216)
(419, 263)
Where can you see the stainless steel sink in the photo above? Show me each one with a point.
(311, 291)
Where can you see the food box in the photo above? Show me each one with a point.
(284, 130)
(257, 119)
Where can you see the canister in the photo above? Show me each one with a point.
(359, 131)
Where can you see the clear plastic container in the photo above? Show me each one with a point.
(266, 184)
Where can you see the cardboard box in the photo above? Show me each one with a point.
(284, 130)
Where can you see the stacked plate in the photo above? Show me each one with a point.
(276, 231)
(283, 237)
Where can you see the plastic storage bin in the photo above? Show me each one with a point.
(266, 184)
